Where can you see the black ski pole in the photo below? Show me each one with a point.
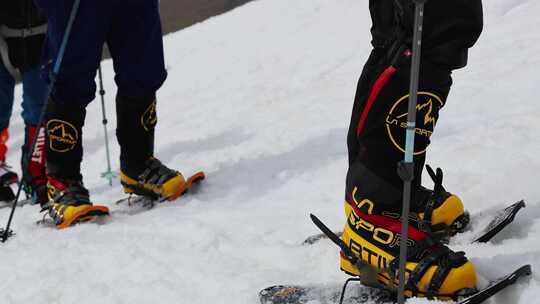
(107, 174)
(406, 167)
(7, 232)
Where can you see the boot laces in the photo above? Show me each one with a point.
(74, 194)
(156, 174)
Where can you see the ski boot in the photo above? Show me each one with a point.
(69, 203)
(7, 178)
(434, 270)
(156, 182)
(439, 212)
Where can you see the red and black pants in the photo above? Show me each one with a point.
(376, 137)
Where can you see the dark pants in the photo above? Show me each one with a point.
(132, 31)
(32, 100)
(376, 138)
(34, 90)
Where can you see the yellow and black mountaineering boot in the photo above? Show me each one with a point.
(156, 181)
(69, 203)
(434, 271)
(439, 211)
(141, 173)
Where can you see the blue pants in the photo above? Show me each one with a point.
(132, 31)
(34, 90)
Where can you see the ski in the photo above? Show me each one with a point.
(335, 294)
(499, 220)
(497, 285)
(502, 219)
(312, 239)
(148, 202)
(323, 294)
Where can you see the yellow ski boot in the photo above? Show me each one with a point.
(157, 182)
(69, 203)
(440, 212)
(434, 271)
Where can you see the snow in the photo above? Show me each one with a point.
(260, 99)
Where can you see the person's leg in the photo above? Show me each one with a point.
(374, 189)
(69, 201)
(381, 134)
(4, 136)
(75, 86)
(7, 86)
(34, 90)
(136, 45)
(35, 177)
(7, 176)
(369, 74)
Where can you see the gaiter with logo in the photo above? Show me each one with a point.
(137, 119)
(64, 140)
(376, 137)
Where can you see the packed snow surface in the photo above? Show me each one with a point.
(260, 98)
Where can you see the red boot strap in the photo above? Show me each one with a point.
(389, 223)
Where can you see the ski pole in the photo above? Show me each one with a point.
(56, 68)
(406, 167)
(107, 174)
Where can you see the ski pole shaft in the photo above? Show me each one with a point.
(54, 73)
(407, 167)
(108, 173)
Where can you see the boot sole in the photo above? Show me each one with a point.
(84, 216)
(190, 182)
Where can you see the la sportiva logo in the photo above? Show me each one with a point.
(63, 136)
(427, 111)
(149, 117)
